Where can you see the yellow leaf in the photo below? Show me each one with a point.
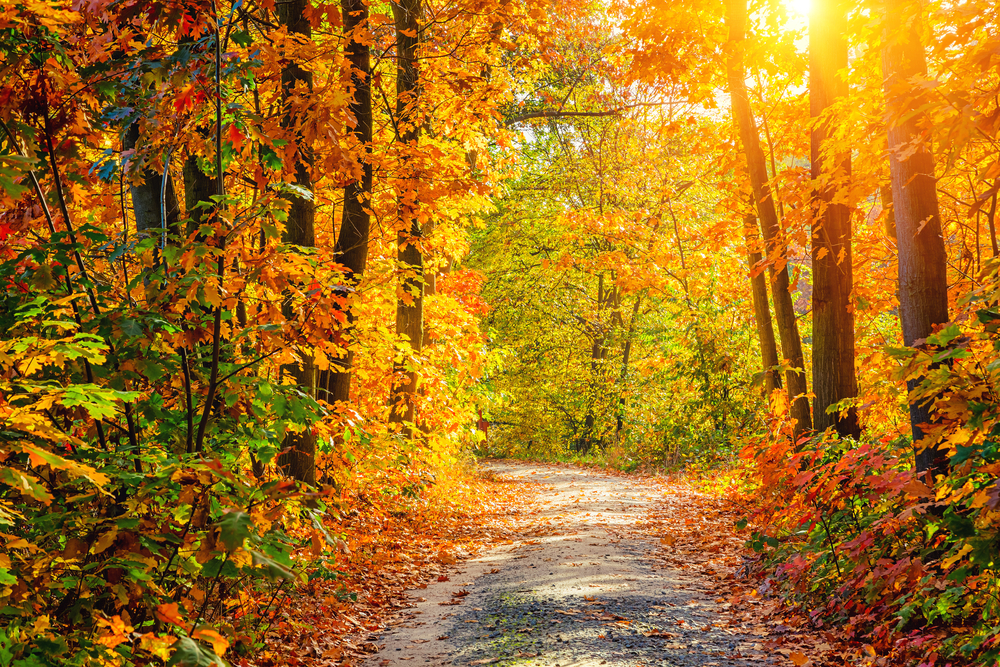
(992, 171)
(105, 541)
(42, 624)
(951, 560)
(157, 646)
(981, 499)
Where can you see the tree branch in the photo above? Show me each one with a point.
(552, 113)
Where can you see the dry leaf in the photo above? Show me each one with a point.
(798, 658)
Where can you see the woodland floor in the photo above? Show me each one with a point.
(598, 568)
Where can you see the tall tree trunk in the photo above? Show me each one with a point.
(351, 248)
(300, 459)
(199, 186)
(834, 378)
(623, 376)
(150, 199)
(598, 355)
(410, 306)
(923, 283)
(762, 310)
(788, 329)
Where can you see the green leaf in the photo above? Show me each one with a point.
(949, 333)
(273, 570)
(99, 402)
(131, 328)
(234, 528)
(189, 653)
(14, 167)
(26, 484)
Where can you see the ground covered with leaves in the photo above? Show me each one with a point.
(385, 548)
(417, 573)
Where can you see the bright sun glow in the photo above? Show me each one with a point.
(798, 8)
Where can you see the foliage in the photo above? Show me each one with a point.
(146, 370)
(907, 564)
(582, 198)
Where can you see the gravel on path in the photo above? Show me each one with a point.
(582, 589)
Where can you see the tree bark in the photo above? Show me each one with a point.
(923, 282)
(623, 376)
(834, 377)
(147, 204)
(299, 461)
(762, 310)
(410, 306)
(788, 329)
(351, 248)
(199, 187)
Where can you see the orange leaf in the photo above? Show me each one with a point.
(169, 613)
(218, 642)
(798, 658)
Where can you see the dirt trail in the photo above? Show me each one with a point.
(588, 586)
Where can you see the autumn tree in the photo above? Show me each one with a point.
(761, 307)
(923, 282)
(296, 86)
(834, 379)
(791, 342)
(351, 248)
(407, 123)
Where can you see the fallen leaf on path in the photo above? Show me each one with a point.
(799, 659)
(656, 632)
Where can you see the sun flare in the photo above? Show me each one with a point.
(798, 8)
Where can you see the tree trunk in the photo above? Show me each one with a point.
(150, 200)
(834, 378)
(410, 306)
(300, 459)
(198, 187)
(351, 248)
(623, 376)
(923, 283)
(762, 310)
(598, 355)
(788, 329)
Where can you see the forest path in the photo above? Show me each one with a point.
(614, 570)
